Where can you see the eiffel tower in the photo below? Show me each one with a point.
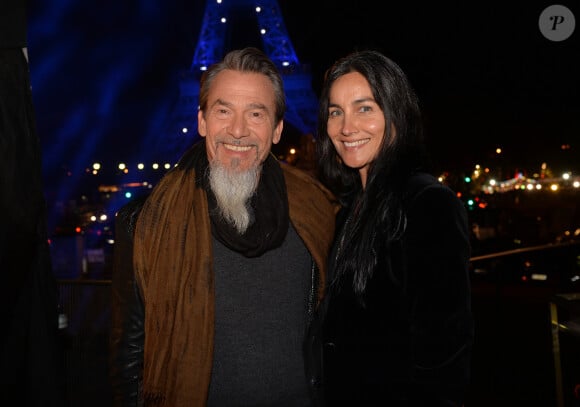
(231, 24)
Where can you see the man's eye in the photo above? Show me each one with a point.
(334, 113)
(256, 117)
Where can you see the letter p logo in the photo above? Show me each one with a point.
(556, 20)
(557, 23)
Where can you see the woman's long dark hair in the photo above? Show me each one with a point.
(379, 206)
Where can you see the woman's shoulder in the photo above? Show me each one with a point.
(423, 184)
(418, 181)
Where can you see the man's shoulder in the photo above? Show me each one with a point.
(292, 171)
(128, 213)
(298, 180)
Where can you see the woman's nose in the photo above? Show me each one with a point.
(349, 126)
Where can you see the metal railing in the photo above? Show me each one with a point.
(513, 362)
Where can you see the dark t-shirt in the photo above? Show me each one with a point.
(260, 319)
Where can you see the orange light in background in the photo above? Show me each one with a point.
(78, 229)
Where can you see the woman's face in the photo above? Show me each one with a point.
(356, 123)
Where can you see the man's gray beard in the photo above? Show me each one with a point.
(233, 190)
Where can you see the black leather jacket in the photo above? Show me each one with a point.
(127, 331)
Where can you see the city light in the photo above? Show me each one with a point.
(482, 179)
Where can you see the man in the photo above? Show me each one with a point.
(218, 272)
(30, 354)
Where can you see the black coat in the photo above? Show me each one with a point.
(410, 344)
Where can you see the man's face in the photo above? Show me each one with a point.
(239, 123)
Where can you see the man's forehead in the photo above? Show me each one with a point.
(247, 88)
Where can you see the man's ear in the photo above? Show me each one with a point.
(201, 124)
(278, 132)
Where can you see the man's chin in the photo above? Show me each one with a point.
(239, 166)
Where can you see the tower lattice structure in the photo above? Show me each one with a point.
(229, 24)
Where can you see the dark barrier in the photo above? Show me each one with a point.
(85, 323)
(513, 359)
(565, 318)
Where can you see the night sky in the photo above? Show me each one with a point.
(484, 73)
(106, 74)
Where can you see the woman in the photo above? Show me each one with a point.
(396, 323)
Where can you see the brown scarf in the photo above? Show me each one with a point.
(174, 269)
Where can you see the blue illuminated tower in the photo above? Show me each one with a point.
(229, 24)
